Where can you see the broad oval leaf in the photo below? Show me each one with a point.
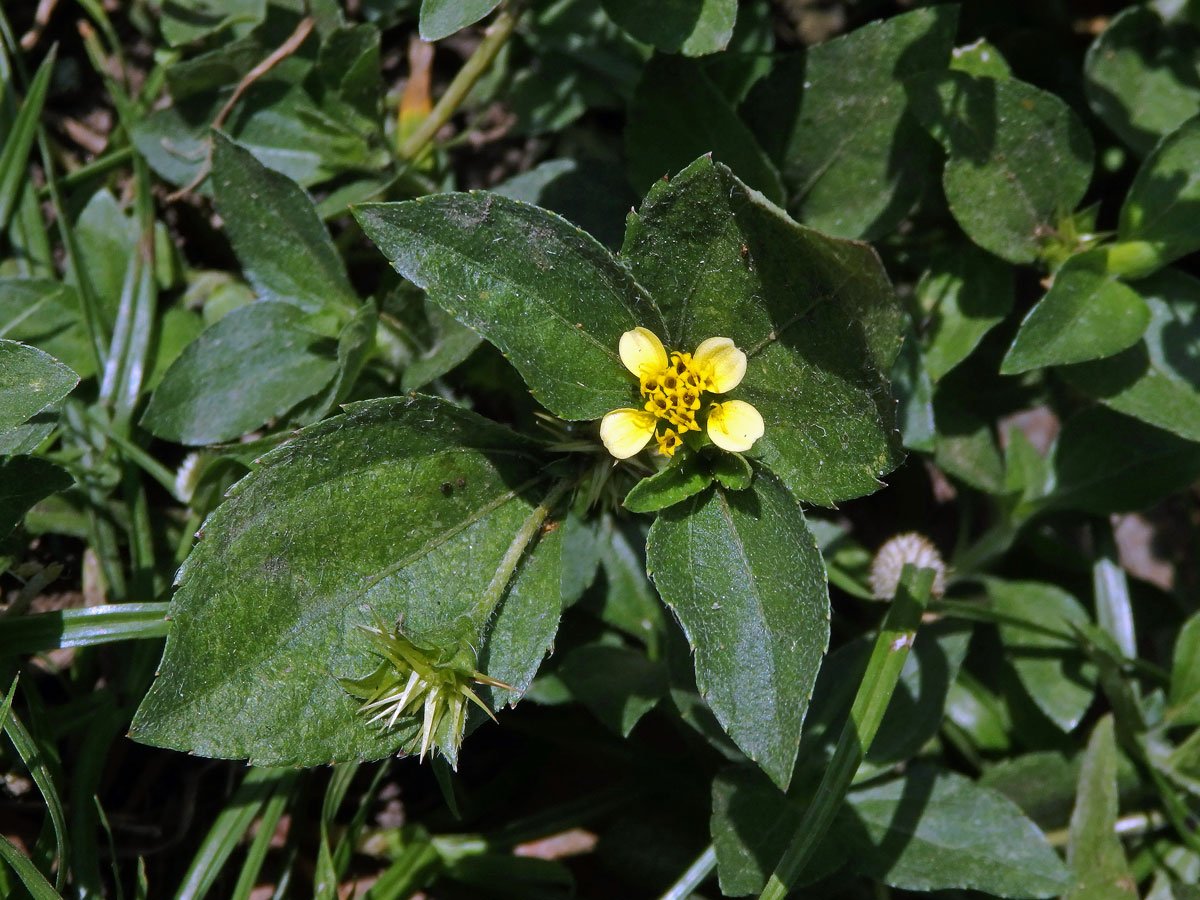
(1156, 380)
(280, 240)
(1163, 203)
(548, 295)
(441, 18)
(400, 508)
(742, 573)
(1019, 158)
(30, 380)
(816, 316)
(1052, 669)
(24, 481)
(1086, 314)
(934, 830)
(253, 365)
(690, 27)
(1142, 77)
(964, 293)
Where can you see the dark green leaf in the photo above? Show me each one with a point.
(441, 18)
(732, 470)
(1019, 158)
(965, 446)
(107, 237)
(690, 27)
(934, 830)
(1086, 314)
(677, 114)
(629, 604)
(837, 117)
(46, 314)
(548, 295)
(1141, 76)
(743, 574)
(355, 342)
(1162, 208)
(452, 344)
(279, 239)
(1052, 669)
(343, 523)
(184, 21)
(24, 480)
(1041, 783)
(1104, 462)
(1094, 853)
(252, 366)
(964, 294)
(816, 316)
(1156, 380)
(684, 476)
(19, 139)
(913, 390)
(30, 380)
(617, 684)
(1185, 673)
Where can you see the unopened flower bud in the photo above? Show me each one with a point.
(910, 547)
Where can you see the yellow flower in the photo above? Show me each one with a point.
(672, 386)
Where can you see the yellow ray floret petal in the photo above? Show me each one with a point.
(734, 425)
(626, 431)
(720, 363)
(642, 352)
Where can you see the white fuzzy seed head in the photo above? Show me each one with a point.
(910, 547)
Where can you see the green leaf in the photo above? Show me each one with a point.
(30, 380)
(343, 523)
(1141, 77)
(964, 294)
(629, 603)
(280, 240)
(107, 237)
(18, 139)
(1185, 674)
(677, 114)
(441, 18)
(189, 21)
(913, 390)
(742, 573)
(835, 117)
(1042, 783)
(1086, 314)
(452, 344)
(965, 446)
(933, 830)
(1162, 207)
(1052, 669)
(24, 481)
(46, 314)
(1104, 462)
(254, 365)
(684, 476)
(617, 684)
(816, 316)
(1094, 852)
(981, 59)
(84, 627)
(548, 295)
(690, 27)
(1019, 158)
(1156, 380)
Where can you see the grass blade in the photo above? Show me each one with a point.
(35, 882)
(84, 627)
(19, 141)
(35, 762)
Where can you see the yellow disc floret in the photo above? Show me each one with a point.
(672, 387)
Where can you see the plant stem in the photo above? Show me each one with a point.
(492, 594)
(870, 703)
(694, 876)
(479, 61)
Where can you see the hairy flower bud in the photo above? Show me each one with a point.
(910, 547)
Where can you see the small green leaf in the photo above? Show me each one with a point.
(913, 390)
(981, 59)
(548, 295)
(348, 521)
(183, 23)
(1104, 462)
(1051, 669)
(452, 343)
(19, 139)
(441, 18)
(743, 574)
(677, 114)
(1094, 852)
(964, 294)
(1042, 783)
(45, 313)
(1019, 158)
(24, 481)
(1140, 76)
(835, 116)
(690, 27)
(617, 684)
(1185, 674)
(1163, 203)
(732, 470)
(281, 242)
(684, 476)
(1156, 380)
(629, 603)
(816, 316)
(252, 366)
(933, 830)
(30, 380)
(1086, 314)
(965, 446)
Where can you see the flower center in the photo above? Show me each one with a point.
(673, 396)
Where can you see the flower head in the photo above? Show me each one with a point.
(910, 547)
(424, 682)
(673, 387)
